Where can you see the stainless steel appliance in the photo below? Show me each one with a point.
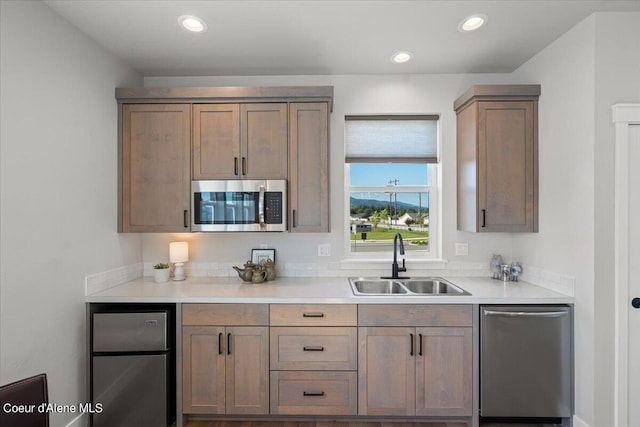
(526, 368)
(239, 205)
(130, 369)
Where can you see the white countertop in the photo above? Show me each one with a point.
(331, 290)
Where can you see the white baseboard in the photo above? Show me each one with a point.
(577, 422)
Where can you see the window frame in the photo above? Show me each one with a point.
(433, 172)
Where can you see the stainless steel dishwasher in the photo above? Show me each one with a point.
(130, 366)
(526, 362)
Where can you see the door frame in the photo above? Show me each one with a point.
(623, 115)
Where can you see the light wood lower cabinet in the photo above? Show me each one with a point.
(380, 360)
(415, 370)
(313, 393)
(225, 369)
(314, 358)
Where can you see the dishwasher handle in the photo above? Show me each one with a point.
(525, 313)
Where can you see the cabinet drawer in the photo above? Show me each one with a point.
(319, 348)
(314, 393)
(313, 315)
(415, 315)
(225, 314)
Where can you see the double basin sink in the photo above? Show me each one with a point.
(420, 286)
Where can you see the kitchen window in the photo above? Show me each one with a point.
(391, 170)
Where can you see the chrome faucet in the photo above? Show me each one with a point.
(395, 269)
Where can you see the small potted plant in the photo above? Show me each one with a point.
(161, 272)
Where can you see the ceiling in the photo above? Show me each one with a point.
(297, 37)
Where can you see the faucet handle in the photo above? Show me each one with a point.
(403, 268)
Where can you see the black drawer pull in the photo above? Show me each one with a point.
(312, 314)
(484, 218)
(420, 345)
(235, 166)
(220, 343)
(185, 218)
(313, 348)
(313, 393)
(229, 343)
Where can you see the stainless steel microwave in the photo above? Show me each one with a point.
(239, 205)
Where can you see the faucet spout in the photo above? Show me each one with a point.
(395, 269)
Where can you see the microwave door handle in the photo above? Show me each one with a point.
(261, 207)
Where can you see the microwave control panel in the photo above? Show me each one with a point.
(273, 207)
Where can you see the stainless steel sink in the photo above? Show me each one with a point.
(406, 286)
(432, 286)
(376, 287)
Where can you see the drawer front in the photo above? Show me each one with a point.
(314, 393)
(314, 315)
(415, 315)
(318, 349)
(225, 314)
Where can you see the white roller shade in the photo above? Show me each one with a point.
(406, 139)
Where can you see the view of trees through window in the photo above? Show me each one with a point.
(385, 199)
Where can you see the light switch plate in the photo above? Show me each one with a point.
(324, 249)
(462, 249)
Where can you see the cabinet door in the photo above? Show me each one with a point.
(308, 167)
(263, 141)
(155, 168)
(247, 369)
(203, 370)
(386, 371)
(216, 141)
(444, 382)
(506, 170)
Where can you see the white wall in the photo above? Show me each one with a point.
(58, 193)
(353, 94)
(584, 72)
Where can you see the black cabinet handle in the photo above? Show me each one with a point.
(484, 218)
(411, 344)
(309, 314)
(244, 165)
(293, 218)
(313, 348)
(635, 302)
(220, 343)
(229, 343)
(313, 393)
(420, 345)
(185, 218)
(235, 166)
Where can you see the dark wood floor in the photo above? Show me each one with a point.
(341, 424)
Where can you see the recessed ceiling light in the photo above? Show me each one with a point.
(400, 57)
(192, 23)
(473, 22)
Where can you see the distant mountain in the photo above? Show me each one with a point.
(381, 204)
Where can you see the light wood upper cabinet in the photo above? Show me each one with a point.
(240, 141)
(497, 158)
(216, 141)
(170, 136)
(263, 141)
(309, 167)
(154, 165)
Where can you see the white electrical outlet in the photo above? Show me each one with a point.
(462, 249)
(324, 249)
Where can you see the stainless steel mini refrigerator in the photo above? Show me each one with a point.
(130, 365)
